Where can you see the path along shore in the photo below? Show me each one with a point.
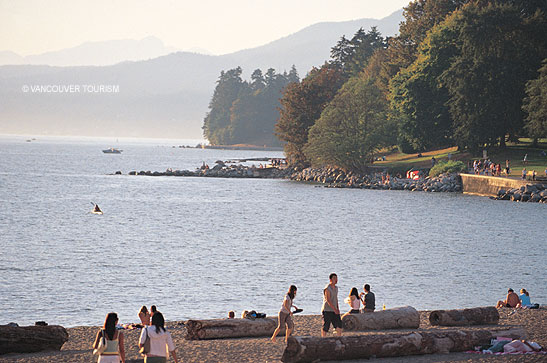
(260, 350)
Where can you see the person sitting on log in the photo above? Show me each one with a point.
(368, 299)
(231, 314)
(115, 351)
(285, 315)
(511, 301)
(354, 301)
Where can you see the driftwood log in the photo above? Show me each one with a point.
(230, 328)
(475, 316)
(396, 318)
(312, 348)
(28, 339)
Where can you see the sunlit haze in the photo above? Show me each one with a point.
(37, 26)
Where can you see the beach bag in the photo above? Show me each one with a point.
(146, 346)
(102, 344)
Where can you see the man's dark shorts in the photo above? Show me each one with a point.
(330, 317)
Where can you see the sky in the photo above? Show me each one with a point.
(218, 26)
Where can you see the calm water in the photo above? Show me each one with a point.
(199, 247)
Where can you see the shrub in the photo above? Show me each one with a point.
(447, 167)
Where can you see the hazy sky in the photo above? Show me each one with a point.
(220, 26)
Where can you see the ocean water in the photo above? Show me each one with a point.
(199, 247)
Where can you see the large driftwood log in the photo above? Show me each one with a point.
(474, 316)
(230, 328)
(27, 339)
(312, 348)
(396, 318)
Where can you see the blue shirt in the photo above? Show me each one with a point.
(524, 300)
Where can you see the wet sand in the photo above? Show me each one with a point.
(78, 347)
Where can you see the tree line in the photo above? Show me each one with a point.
(245, 112)
(470, 73)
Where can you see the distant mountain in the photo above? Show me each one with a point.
(94, 53)
(161, 97)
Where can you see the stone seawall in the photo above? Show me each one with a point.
(489, 185)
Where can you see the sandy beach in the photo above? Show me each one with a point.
(78, 347)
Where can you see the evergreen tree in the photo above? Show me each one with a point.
(535, 104)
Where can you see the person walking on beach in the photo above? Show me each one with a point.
(115, 351)
(285, 315)
(511, 301)
(369, 300)
(144, 315)
(161, 343)
(330, 310)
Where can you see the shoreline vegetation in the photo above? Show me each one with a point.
(78, 347)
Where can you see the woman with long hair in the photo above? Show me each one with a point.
(354, 301)
(161, 343)
(144, 315)
(285, 315)
(115, 351)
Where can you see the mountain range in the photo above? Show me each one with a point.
(165, 97)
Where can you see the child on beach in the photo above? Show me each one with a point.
(144, 315)
(354, 301)
(160, 341)
(115, 351)
(285, 315)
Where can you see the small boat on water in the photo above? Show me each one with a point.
(112, 150)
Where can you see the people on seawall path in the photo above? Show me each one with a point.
(161, 342)
(330, 310)
(144, 315)
(115, 351)
(511, 301)
(368, 299)
(354, 302)
(285, 314)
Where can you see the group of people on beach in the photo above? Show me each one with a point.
(330, 310)
(155, 341)
(512, 300)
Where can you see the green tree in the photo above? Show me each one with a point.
(301, 105)
(535, 104)
(418, 98)
(500, 51)
(351, 128)
(216, 126)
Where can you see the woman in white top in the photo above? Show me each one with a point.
(353, 301)
(114, 351)
(285, 315)
(161, 343)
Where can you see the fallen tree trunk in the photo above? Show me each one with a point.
(396, 318)
(28, 339)
(474, 316)
(230, 328)
(379, 345)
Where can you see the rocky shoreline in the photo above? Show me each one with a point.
(337, 178)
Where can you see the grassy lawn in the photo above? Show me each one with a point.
(399, 162)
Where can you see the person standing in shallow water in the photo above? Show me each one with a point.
(330, 309)
(285, 315)
(115, 351)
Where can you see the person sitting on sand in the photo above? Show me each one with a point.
(161, 342)
(285, 315)
(524, 299)
(144, 315)
(511, 301)
(368, 299)
(115, 351)
(354, 301)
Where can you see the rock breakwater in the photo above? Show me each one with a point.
(535, 193)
